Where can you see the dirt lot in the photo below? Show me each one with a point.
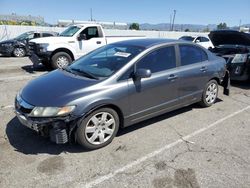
(191, 147)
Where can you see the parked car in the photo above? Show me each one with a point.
(74, 42)
(18, 46)
(234, 46)
(201, 40)
(119, 85)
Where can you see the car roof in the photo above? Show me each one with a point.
(147, 42)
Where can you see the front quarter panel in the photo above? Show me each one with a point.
(115, 94)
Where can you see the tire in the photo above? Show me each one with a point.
(210, 94)
(19, 52)
(93, 132)
(60, 60)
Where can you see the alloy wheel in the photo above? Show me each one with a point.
(19, 52)
(100, 128)
(62, 61)
(211, 93)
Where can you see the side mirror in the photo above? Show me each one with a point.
(81, 36)
(197, 41)
(142, 73)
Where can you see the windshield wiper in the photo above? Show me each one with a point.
(84, 73)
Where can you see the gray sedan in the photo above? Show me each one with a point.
(119, 85)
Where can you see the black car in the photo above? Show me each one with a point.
(119, 85)
(18, 46)
(233, 46)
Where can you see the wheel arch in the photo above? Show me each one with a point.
(216, 79)
(63, 50)
(111, 106)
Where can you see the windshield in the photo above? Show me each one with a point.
(23, 36)
(70, 31)
(187, 38)
(104, 61)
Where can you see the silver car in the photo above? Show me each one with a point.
(119, 85)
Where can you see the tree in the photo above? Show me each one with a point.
(187, 30)
(134, 26)
(206, 30)
(222, 26)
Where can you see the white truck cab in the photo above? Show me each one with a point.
(74, 42)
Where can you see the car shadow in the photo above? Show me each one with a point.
(241, 84)
(39, 68)
(160, 118)
(27, 141)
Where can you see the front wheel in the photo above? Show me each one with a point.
(210, 94)
(98, 129)
(61, 60)
(19, 52)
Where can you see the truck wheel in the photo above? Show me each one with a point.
(19, 52)
(60, 60)
(210, 94)
(98, 129)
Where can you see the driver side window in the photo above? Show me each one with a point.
(90, 32)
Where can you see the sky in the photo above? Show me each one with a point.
(202, 12)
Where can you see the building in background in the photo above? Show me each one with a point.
(105, 25)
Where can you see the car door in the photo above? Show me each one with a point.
(193, 72)
(93, 39)
(151, 96)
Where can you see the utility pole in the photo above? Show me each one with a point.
(170, 23)
(173, 20)
(91, 17)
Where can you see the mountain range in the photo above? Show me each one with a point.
(182, 27)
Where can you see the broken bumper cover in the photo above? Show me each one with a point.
(37, 59)
(59, 129)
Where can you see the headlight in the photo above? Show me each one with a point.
(51, 111)
(6, 44)
(239, 58)
(43, 47)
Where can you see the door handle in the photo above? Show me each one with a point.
(203, 69)
(98, 42)
(172, 77)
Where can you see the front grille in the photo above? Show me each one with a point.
(32, 47)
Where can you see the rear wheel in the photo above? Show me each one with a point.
(98, 129)
(210, 94)
(61, 60)
(19, 52)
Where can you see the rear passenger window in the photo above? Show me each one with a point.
(158, 60)
(204, 39)
(191, 54)
(47, 35)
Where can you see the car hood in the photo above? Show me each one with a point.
(229, 37)
(8, 41)
(52, 40)
(57, 88)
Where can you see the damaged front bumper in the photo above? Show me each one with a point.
(58, 129)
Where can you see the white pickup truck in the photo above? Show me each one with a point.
(74, 42)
